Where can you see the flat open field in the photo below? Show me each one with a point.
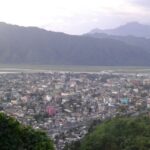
(49, 68)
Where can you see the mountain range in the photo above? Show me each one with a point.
(129, 29)
(32, 45)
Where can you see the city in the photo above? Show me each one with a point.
(64, 104)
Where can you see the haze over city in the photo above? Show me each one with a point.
(74, 17)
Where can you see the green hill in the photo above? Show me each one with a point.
(14, 136)
(118, 134)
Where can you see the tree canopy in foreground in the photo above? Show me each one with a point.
(14, 136)
(120, 134)
(117, 134)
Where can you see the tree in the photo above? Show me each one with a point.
(75, 145)
(119, 134)
(15, 136)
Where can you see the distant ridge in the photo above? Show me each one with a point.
(131, 28)
(32, 45)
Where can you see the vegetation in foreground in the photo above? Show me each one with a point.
(117, 134)
(14, 136)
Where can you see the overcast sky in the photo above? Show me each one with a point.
(74, 16)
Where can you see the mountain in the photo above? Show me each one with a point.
(31, 45)
(132, 28)
(141, 42)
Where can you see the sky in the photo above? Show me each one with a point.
(74, 16)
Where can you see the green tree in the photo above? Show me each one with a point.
(119, 134)
(14, 136)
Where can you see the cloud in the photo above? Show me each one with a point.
(74, 16)
(141, 3)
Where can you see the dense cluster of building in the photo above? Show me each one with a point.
(64, 104)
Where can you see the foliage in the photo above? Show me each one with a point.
(72, 146)
(119, 134)
(14, 136)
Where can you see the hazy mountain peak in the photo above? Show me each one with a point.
(132, 28)
(96, 30)
(133, 25)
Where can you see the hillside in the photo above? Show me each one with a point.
(31, 45)
(131, 28)
(117, 134)
(140, 42)
(15, 136)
